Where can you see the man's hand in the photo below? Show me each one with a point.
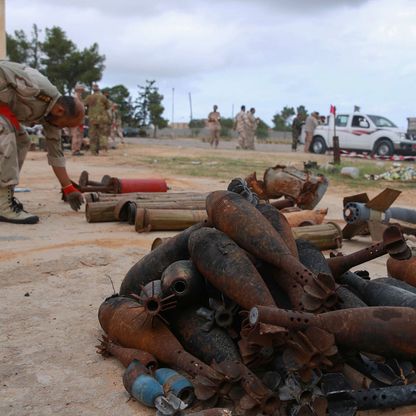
(73, 197)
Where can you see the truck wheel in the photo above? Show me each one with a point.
(318, 145)
(384, 147)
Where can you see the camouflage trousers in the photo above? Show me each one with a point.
(250, 137)
(13, 150)
(242, 139)
(214, 137)
(98, 134)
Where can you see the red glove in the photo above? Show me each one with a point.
(73, 196)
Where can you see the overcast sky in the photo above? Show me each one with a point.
(261, 53)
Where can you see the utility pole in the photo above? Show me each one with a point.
(173, 106)
(3, 29)
(190, 105)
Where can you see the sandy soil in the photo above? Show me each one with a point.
(55, 274)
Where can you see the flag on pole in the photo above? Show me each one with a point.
(332, 109)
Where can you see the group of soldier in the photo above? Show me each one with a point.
(104, 122)
(245, 124)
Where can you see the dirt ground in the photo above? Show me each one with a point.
(55, 274)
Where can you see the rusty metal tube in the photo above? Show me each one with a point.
(226, 266)
(384, 330)
(109, 348)
(393, 243)
(232, 214)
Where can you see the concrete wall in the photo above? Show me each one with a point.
(285, 136)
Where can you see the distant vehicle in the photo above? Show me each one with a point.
(131, 131)
(363, 133)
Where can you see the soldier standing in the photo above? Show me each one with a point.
(310, 125)
(297, 124)
(214, 126)
(77, 133)
(98, 120)
(26, 96)
(116, 126)
(251, 123)
(239, 127)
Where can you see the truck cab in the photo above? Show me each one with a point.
(363, 132)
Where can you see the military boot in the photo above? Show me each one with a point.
(11, 210)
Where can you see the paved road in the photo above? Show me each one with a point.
(231, 145)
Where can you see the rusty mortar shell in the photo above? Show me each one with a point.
(207, 345)
(313, 259)
(183, 280)
(259, 397)
(153, 301)
(226, 266)
(152, 265)
(123, 319)
(384, 330)
(396, 282)
(241, 221)
(393, 243)
(404, 270)
(109, 348)
(280, 224)
(378, 294)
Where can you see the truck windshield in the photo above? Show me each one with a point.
(381, 121)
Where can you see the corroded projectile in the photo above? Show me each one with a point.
(384, 330)
(153, 301)
(226, 266)
(141, 385)
(404, 270)
(126, 355)
(183, 280)
(212, 345)
(175, 383)
(123, 319)
(393, 243)
(151, 266)
(241, 221)
(343, 398)
(280, 224)
(392, 281)
(314, 260)
(378, 294)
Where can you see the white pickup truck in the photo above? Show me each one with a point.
(363, 133)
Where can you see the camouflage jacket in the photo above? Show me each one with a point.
(31, 96)
(98, 106)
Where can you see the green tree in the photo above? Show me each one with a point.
(196, 125)
(262, 130)
(57, 57)
(227, 125)
(280, 120)
(18, 47)
(121, 96)
(148, 107)
(301, 109)
(156, 110)
(65, 65)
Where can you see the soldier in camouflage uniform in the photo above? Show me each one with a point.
(251, 124)
(77, 133)
(98, 106)
(240, 128)
(26, 96)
